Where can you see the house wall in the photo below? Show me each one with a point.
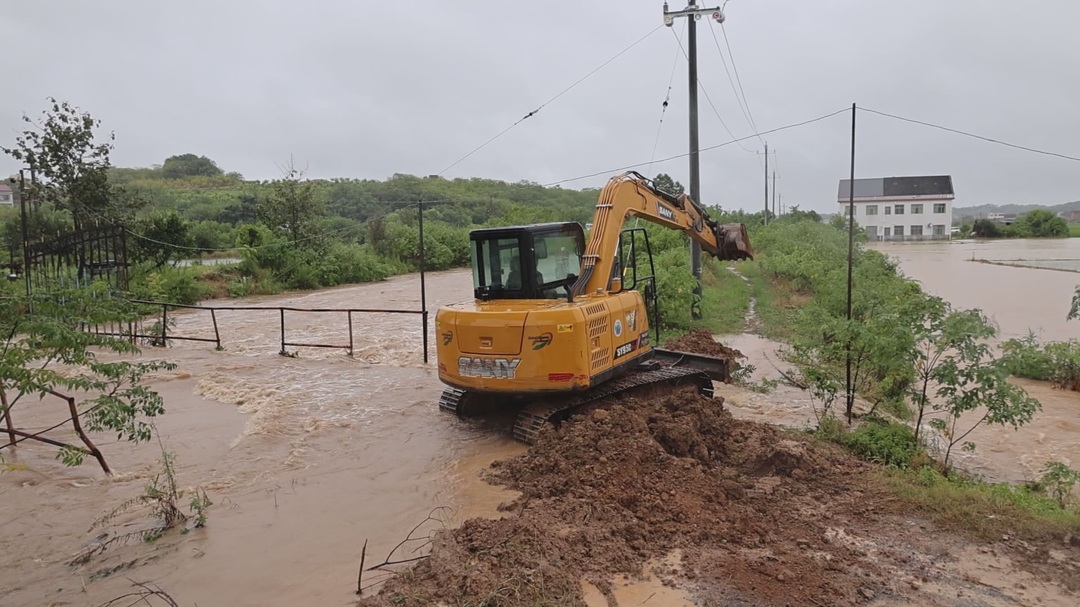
(924, 225)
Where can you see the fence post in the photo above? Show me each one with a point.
(424, 314)
(164, 324)
(217, 336)
(350, 334)
(282, 310)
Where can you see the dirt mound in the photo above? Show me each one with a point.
(625, 481)
(700, 341)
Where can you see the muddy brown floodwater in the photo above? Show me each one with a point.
(304, 457)
(307, 457)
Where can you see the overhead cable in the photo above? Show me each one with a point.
(542, 105)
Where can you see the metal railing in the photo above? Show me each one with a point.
(160, 335)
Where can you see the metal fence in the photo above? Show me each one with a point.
(159, 335)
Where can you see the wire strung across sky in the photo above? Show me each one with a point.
(667, 97)
(972, 135)
(709, 99)
(542, 105)
(704, 149)
(743, 106)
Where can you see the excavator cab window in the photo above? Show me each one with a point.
(528, 262)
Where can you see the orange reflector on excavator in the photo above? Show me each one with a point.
(560, 376)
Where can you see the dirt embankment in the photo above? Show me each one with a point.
(751, 509)
(729, 512)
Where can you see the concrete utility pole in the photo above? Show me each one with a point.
(766, 183)
(774, 212)
(692, 12)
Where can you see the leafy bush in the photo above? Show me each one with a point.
(885, 443)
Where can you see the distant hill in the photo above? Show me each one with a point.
(1011, 209)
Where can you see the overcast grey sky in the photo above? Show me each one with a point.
(365, 89)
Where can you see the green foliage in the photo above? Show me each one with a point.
(37, 343)
(665, 183)
(292, 207)
(169, 284)
(882, 442)
(189, 165)
(1057, 361)
(162, 237)
(1039, 223)
(1058, 480)
(72, 169)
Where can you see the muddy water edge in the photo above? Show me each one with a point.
(304, 457)
(1017, 300)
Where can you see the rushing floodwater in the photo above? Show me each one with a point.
(307, 457)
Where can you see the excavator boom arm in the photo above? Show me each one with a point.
(631, 194)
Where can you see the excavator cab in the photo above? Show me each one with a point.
(538, 261)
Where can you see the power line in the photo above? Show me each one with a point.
(972, 135)
(731, 81)
(705, 149)
(667, 97)
(709, 99)
(542, 105)
(737, 78)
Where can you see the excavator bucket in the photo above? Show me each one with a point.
(717, 369)
(734, 242)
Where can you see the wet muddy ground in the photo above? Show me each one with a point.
(307, 457)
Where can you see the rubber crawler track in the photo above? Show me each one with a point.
(534, 416)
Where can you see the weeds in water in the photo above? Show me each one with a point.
(163, 498)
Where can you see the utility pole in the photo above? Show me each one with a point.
(766, 183)
(774, 194)
(692, 13)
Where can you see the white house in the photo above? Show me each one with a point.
(901, 208)
(7, 197)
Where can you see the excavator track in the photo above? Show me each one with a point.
(534, 416)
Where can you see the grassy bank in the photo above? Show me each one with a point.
(799, 282)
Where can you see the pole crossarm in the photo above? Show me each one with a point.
(692, 10)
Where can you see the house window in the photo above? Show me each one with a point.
(916, 230)
(888, 231)
(871, 209)
(939, 207)
(916, 209)
(899, 209)
(5, 197)
(888, 210)
(898, 230)
(939, 230)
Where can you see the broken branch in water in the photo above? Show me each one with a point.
(360, 574)
(143, 595)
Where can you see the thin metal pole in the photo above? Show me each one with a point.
(26, 238)
(695, 158)
(217, 335)
(350, 334)
(850, 260)
(282, 310)
(775, 214)
(164, 324)
(766, 183)
(423, 282)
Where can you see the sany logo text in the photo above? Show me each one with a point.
(499, 368)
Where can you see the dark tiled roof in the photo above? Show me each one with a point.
(934, 185)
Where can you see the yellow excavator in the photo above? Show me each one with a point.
(557, 322)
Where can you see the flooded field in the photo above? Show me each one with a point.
(306, 457)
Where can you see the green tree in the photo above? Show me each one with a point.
(984, 228)
(665, 183)
(1041, 223)
(46, 352)
(71, 167)
(292, 206)
(189, 165)
(950, 353)
(162, 238)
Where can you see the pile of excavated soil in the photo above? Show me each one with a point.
(700, 341)
(754, 511)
